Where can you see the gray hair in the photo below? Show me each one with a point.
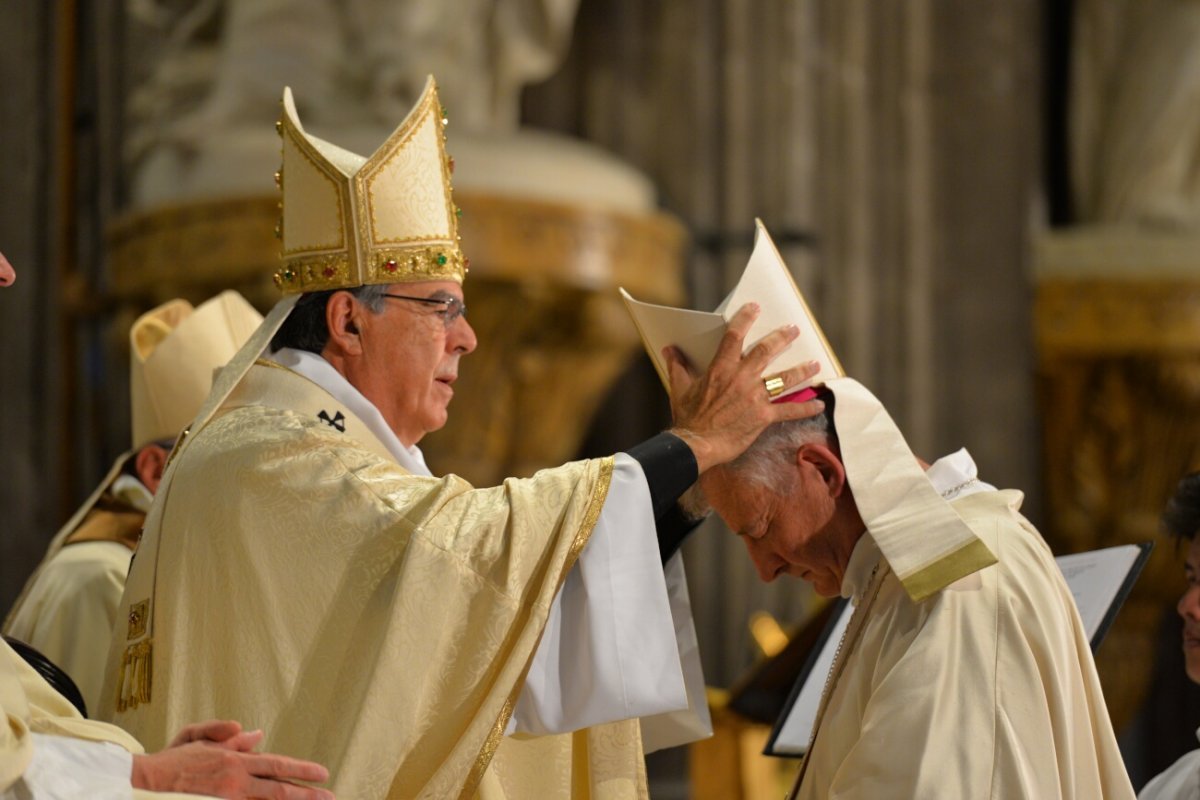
(769, 460)
(305, 327)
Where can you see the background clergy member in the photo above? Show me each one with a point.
(47, 749)
(69, 605)
(965, 670)
(389, 623)
(1181, 781)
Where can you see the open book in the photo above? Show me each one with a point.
(766, 281)
(1099, 581)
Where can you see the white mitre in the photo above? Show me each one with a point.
(174, 351)
(926, 543)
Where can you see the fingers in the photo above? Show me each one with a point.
(730, 348)
(799, 374)
(213, 730)
(679, 371)
(242, 743)
(770, 346)
(267, 765)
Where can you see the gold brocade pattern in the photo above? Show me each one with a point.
(587, 526)
(349, 221)
(373, 620)
(135, 678)
(603, 762)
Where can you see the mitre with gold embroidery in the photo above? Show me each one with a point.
(349, 220)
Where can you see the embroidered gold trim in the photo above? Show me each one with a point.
(591, 516)
(327, 171)
(358, 259)
(136, 676)
(970, 558)
(427, 263)
(588, 524)
(314, 273)
(137, 619)
(390, 149)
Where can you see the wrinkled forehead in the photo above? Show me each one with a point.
(736, 499)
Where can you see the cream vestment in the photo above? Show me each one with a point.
(305, 577)
(69, 613)
(1180, 781)
(986, 689)
(70, 603)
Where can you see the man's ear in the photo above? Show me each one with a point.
(343, 315)
(149, 464)
(822, 459)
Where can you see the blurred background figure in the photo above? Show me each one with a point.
(70, 603)
(1181, 781)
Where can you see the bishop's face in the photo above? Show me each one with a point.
(1189, 609)
(798, 532)
(410, 358)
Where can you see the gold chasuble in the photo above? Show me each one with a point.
(373, 620)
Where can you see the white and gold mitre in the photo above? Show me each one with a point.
(349, 221)
(174, 350)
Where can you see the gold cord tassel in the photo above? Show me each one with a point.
(133, 685)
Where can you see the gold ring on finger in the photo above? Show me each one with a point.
(774, 386)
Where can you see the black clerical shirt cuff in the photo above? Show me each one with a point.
(670, 469)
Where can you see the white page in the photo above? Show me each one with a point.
(797, 728)
(1094, 579)
(765, 281)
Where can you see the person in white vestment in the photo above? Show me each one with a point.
(48, 751)
(964, 670)
(420, 636)
(69, 604)
(1181, 519)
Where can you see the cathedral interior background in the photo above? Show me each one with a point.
(993, 208)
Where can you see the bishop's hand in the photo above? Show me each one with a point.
(721, 411)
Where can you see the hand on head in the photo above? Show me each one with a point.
(721, 412)
(216, 758)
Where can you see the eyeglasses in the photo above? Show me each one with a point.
(451, 307)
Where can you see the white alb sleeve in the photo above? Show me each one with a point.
(612, 647)
(63, 768)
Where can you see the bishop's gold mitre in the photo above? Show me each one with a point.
(349, 221)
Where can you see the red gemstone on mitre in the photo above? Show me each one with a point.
(390, 265)
(328, 272)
